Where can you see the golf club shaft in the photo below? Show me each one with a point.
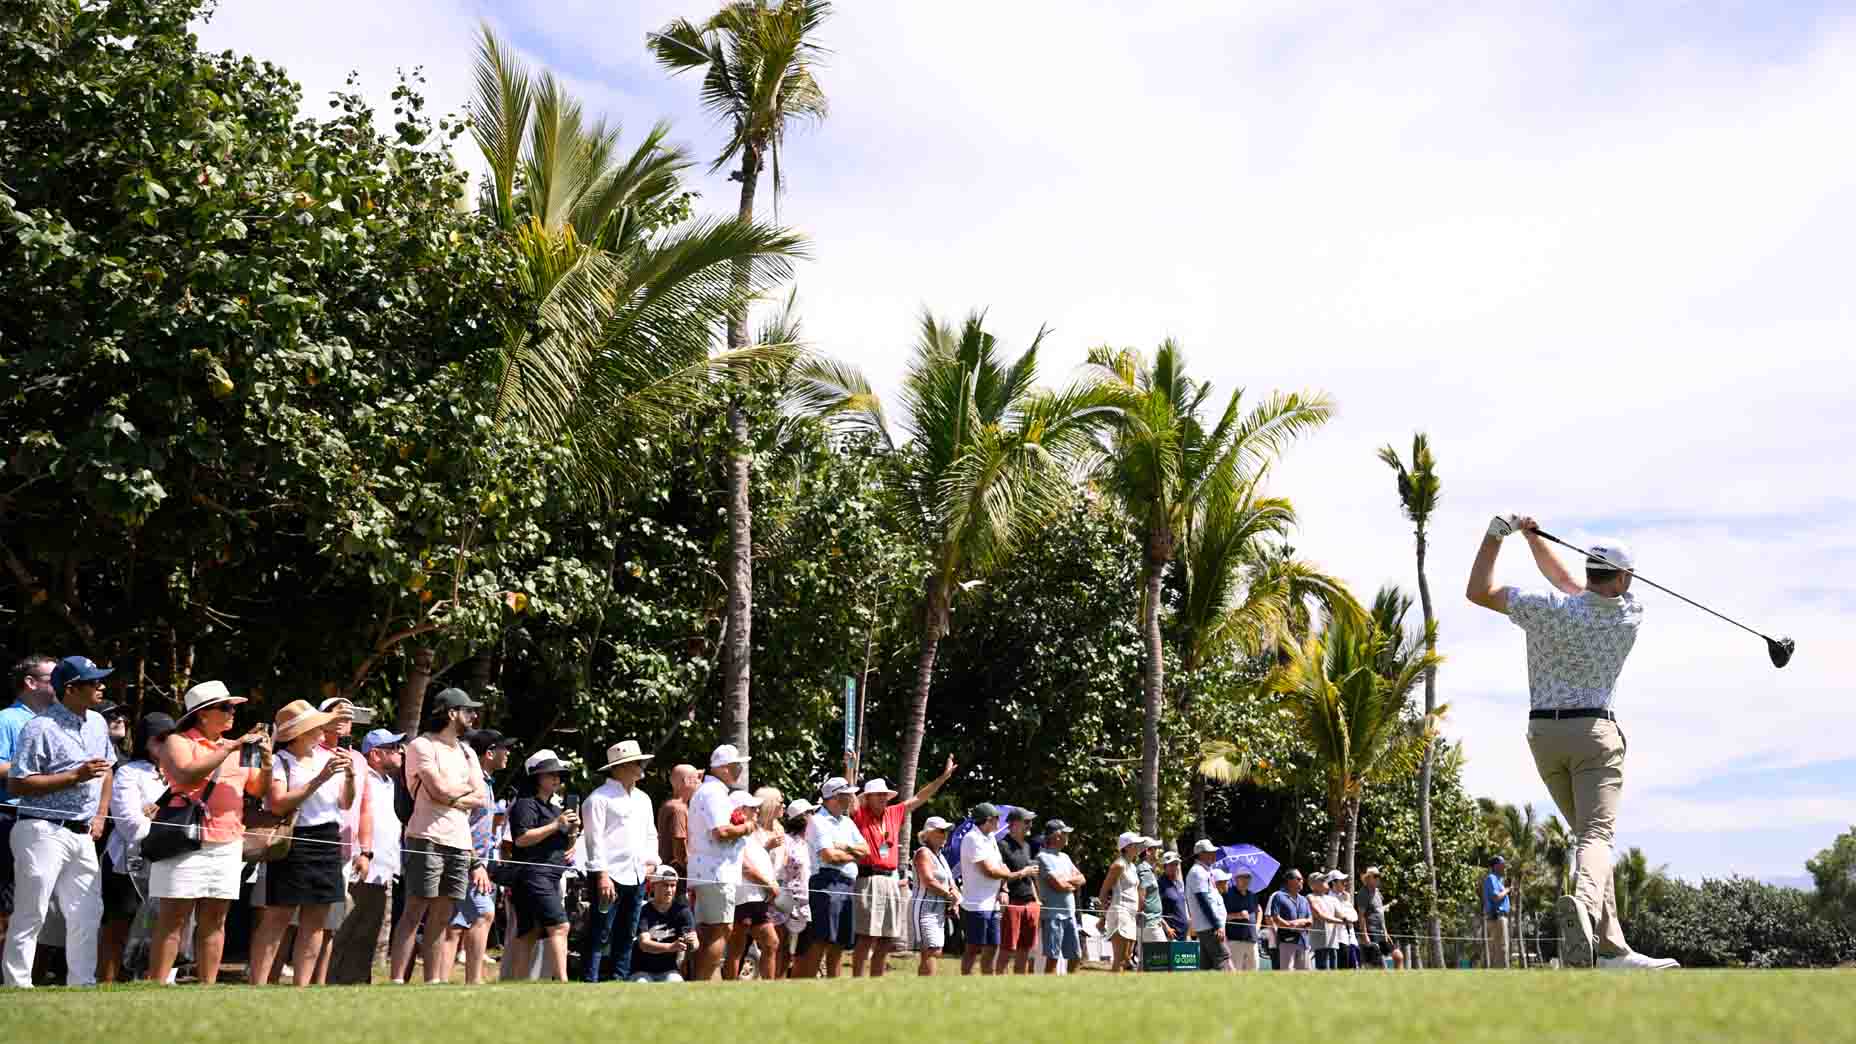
(1544, 535)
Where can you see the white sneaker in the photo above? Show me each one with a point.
(1637, 962)
(1576, 942)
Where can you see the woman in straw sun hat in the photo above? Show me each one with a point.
(319, 784)
(200, 759)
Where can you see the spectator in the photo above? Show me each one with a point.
(835, 845)
(1019, 917)
(1325, 911)
(61, 772)
(336, 737)
(793, 908)
(759, 885)
(934, 893)
(1495, 915)
(32, 693)
(202, 763)
(666, 931)
(1347, 954)
(1122, 901)
(621, 852)
(882, 907)
(116, 718)
(673, 820)
(1153, 920)
(982, 876)
(1058, 882)
(471, 923)
(1292, 918)
(717, 841)
(542, 834)
(439, 866)
(376, 863)
(1241, 916)
(1205, 910)
(1173, 896)
(319, 785)
(134, 790)
(1379, 950)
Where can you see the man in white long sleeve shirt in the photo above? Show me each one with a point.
(620, 831)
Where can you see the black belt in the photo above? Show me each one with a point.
(868, 871)
(75, 826)
(1574, 712)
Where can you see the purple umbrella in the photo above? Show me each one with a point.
(1249, 857)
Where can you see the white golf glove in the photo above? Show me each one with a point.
(1502, 525)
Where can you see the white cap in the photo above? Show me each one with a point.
(935, 823)
(878, 785)
(1203, 846)
(1169, 859)
(1128, 837)
(798, 807)
(743, 798)
(726, 754)
(1336, 875)
(835, 786)
(664, 872)
(1609, 554)
(1220, 874)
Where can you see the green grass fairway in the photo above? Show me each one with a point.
(1531, 1007)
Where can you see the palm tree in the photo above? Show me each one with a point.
(1419, 490)
(1348, 687)
(988, 458)
(1164, 460)
(757, 60)
(1639, 887)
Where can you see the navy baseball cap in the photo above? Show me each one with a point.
(77, 669)
(1498, 861)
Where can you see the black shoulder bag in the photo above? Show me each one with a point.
(179, 824)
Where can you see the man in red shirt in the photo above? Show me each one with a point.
(882, 902)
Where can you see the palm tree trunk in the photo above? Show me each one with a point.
(1353, 836)
(1150, 702)
(1334, 838)
(1430, 754)
(737, 656)
(1198, 805)
(412, 691)
(934, 621)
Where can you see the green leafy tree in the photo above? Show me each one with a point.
(1834, 871)
(1164, 460)
(757, 61)
(1419, 490)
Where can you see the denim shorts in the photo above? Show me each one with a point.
(473, 908)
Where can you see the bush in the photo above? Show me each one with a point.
(1741, 923)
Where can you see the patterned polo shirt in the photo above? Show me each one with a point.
(1576, 645)
(58, 741)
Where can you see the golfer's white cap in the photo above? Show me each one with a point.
(1203, 846)
(1128, 837)
(798, 807)
(1609, 554)
(726, 754)
(835, 786)
(1170, 858)
(1220, 874)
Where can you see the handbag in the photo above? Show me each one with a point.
(179, 824)
(267, 834)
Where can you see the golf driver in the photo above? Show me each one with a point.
(1780, 649)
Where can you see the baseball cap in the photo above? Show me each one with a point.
(1219, 873)
(1169, 859)
(456, 699)
(936, 823)
(1498, 861)
(1335, 875)
(1126, 838)
(1204, 846)
(484, 741)
(726, 754)
(664, 872)
(111, 710)
(743, 798)
(800, 807)
(1020, 814)
(1609, 554)
(336, 701)
(835, 786)
(1058, 826)
(77, 669)
(155, 723)
(381, 738)
(1241, 871)
(985, 810)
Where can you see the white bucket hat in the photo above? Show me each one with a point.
(624, 752)
(879, 785)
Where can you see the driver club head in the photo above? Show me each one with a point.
(1780, 651)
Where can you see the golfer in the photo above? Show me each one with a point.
(1578, 636)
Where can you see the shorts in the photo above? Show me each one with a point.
(1018, 927)
(434, 871)
(834, 918)
(980, 927)
(1120, 922)
(713, 903)
(1057, 931)
(752, 915)
(474, 907)
(882, 913)
(311, 873)
(120, 899)
(1214, 954)
(211, 871)
(931, 929)
(537, 898)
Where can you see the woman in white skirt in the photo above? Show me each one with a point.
(319, 784)
(792, 908)
(1121, 899)
(934, 892)
(201, 759)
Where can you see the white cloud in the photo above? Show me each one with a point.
(1607, 278)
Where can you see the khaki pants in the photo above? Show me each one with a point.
(1581, 760)
(1495, 942)
(1243, 955)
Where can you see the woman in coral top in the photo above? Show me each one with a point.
(199, 757)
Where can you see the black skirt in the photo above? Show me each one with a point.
(311, 874)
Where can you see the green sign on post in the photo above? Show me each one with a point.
(850, 715)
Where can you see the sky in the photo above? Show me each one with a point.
(1599, 252)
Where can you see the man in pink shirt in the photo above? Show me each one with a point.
(439, 866)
